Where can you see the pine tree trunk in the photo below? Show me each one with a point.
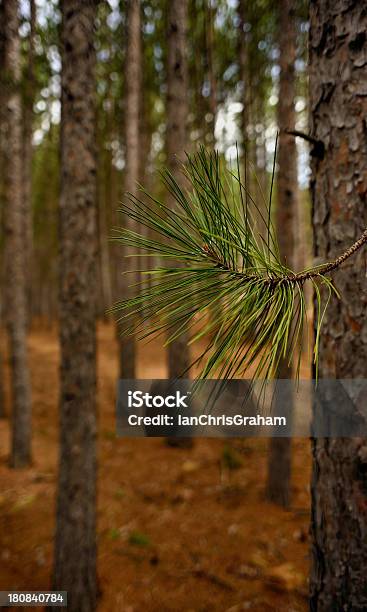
(27, 156)
(245, 84)
(176, 138)
(2, 395)
(103, 188)
(106, 206)
(280, 454)
(127, 346)
(209, 29)
(15, 280)
(2, 159)
(338, 85)
(75, 544)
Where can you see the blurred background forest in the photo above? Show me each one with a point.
(214, 526)
(225, 49)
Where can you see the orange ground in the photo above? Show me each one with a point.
(177, 529)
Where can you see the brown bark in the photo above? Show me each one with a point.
(176, 137)
(15, 280)
(2, 126)
(338, 83)
(104, 207)
(27, 155)
(2, 396)
(75, 544)
(209, 18)
(280, 455)
(245, 80)
(127, 345)
(251, 172)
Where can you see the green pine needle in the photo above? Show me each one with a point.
(215, 260)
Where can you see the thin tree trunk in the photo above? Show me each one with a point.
(209, 18)
(261, 159)
(2, 395)
(176, 138)
(245, 85)
(15, 280)
(338, 48)
(27, 156)
(145, 173)
(104, 258)
(176, 146)
(250, 171)
(104, 204)
(75, 544)
(2, 160)
(127, 345)
(280, 454)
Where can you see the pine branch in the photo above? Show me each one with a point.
(325, 268)
(216, 260)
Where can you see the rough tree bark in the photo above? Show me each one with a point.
(105, 205)
(2, 396)
(2, 126)
(280, 455)
(127, 346)
(75, 544)
(15, 280)
(338, 86)
(176, 136)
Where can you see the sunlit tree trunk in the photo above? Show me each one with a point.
(279, 464)
(176, 137)
(127, 345)
(338, 85)
(75, 544)
(15, 280)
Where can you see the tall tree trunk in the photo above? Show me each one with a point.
(280, 455)
(103, 190)
(146, 177)
(127, 345)
(75, 545)
(2, 159)
(245, 85)
(2, 395)
(27, 155)
(15, 280)
(338, 84)
(176, 138)
(251, 173)
(209, 31)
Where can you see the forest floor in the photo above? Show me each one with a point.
(178, 530)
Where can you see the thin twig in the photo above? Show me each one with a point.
(332, 265)
(299, 277)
